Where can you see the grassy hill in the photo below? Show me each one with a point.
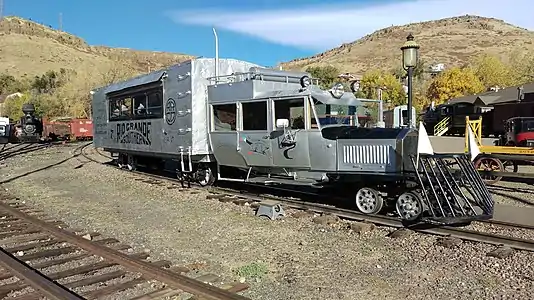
(28, 48)
(451, 41)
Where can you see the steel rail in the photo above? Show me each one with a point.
(491, 221)
(177, 281)
(34, 278)
(465, 234)
(508, 224)
(471, 235)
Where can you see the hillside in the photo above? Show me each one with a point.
(28, 48)
(451, 41)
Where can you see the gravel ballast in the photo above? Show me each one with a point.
(302, 256)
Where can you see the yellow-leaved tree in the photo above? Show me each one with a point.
(13, 106)
(392, 90)
(453, 83)
(522, 64)
(492, 71)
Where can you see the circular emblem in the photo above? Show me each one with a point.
(170, 111)
(29, 129)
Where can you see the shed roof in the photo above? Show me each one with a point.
(491, 97)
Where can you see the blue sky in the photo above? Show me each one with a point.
(260, 31)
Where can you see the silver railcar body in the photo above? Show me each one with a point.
(253, 124)
(175, 111)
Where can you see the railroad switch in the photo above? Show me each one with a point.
(270, 209)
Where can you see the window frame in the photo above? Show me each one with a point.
(242, 115)
(146, 90)
(212, 117)
(306, 114)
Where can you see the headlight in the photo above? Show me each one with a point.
(355, 86)
(305, 81)
(337, 90)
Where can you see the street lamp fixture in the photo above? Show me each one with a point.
(410, 56)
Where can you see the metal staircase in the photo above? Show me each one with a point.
(442, 127)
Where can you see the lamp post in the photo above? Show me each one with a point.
(410, 55)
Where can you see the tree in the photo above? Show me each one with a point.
(453, 83)
(9, 84)
(418, 72)
(392, 90)
(522, 65)
(49, 81)
(492, 71)
(327, 75)
(116, 72)
(13, 106)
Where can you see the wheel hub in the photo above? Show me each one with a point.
(409, 206)
(368, 201)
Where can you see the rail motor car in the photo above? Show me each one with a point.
(253, 124)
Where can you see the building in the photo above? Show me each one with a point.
(494, 106)
(498, 96)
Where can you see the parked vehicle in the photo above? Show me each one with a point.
(68, 129)
(5, 130)
(34, 129)
(518, 131)
(258, 125)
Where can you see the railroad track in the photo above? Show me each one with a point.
(11, 150)
(242, 196)
(40, 258)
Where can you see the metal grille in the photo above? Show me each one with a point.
(366, 154)
(452, 189)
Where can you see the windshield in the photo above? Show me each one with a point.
(528, 126)
(334, 114)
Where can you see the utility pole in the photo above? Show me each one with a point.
(1, 9)
(60, 21)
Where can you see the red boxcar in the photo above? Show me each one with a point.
(68, 129)
(81, 129)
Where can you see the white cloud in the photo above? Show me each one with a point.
(327, 26)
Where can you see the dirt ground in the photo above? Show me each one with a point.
(299, 257)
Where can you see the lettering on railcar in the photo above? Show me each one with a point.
(101, 129)
(137, 133)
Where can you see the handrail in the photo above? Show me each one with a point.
(442, 126)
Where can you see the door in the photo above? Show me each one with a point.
(254, 135)
(290, 148)
(224, 137)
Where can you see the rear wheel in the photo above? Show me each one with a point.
(204, 175)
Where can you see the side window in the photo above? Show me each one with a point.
(155, 103)
(225, 117)
(120, 108)
(140, 105)
(254, 115)
(291, 109)
(146, 104)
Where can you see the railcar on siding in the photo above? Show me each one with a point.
(253, 124)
